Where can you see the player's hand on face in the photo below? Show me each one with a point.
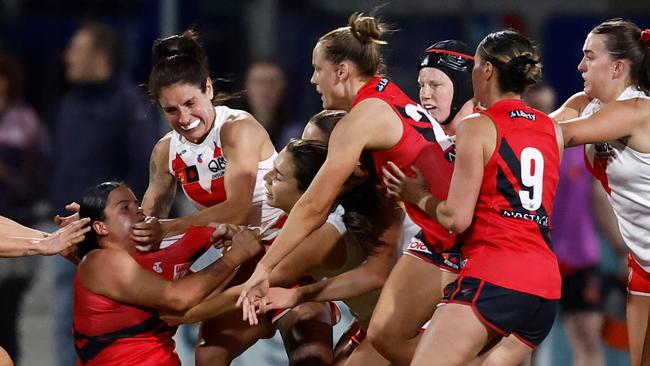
(63, 221)
(399, 185)
(148, 233)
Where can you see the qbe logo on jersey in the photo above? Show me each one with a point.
(218, 167)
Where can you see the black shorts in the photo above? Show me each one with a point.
(528, 317)
(581, 290)
(449, 260)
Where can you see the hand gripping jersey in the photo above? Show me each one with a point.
(200, 168)
(625, 175)
(423, 144)
(508, 243)
(111, 333)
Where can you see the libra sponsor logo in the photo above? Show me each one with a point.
(518, 113)
(382, 84)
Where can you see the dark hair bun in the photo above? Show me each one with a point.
(185, 44)
(527, 69)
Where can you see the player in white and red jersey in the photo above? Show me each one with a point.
(500, 199)
(219, 155)
(350, 252)
(612, 117)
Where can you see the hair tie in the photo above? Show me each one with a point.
(645, 38)
(521, 61)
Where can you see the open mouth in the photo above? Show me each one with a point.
(192, 125)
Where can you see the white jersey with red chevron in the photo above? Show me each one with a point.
(625, 175)
(200, 168)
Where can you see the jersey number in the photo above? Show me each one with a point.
(532, 177)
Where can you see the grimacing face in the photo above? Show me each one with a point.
(436, 92)
(188, 110)
(122, 211)
(281, 184)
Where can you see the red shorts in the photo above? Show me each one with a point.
(638, 280)
(449, 260)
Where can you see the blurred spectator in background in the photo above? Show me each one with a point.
(265, 98)
(105, 130)
(576, 245)
(23, 185)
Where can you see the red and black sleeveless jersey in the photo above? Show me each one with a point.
(418, 147)
(508, 243)
(111, 333)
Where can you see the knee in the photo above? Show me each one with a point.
(310, 312)
(209, 356)
(383, 341)
(311, 355)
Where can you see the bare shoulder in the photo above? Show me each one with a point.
(371, 107)
(241, 123)
(101, 265)
(162, 146)
(104, 258)
(572, 108)
(639, 105)
(476, 129)
(373, 123)
(579, 100)
(474, 122)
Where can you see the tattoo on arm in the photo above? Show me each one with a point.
(164, 187)
(163, 205)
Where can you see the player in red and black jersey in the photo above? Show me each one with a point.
(382, 121)
(118, 291)
(500, 198)
(382, 124)
(445, 80)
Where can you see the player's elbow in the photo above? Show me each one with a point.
(316, 209)
(180, 300)
(178, 304)
(377, 280)
(456, 219)
(460, 223)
